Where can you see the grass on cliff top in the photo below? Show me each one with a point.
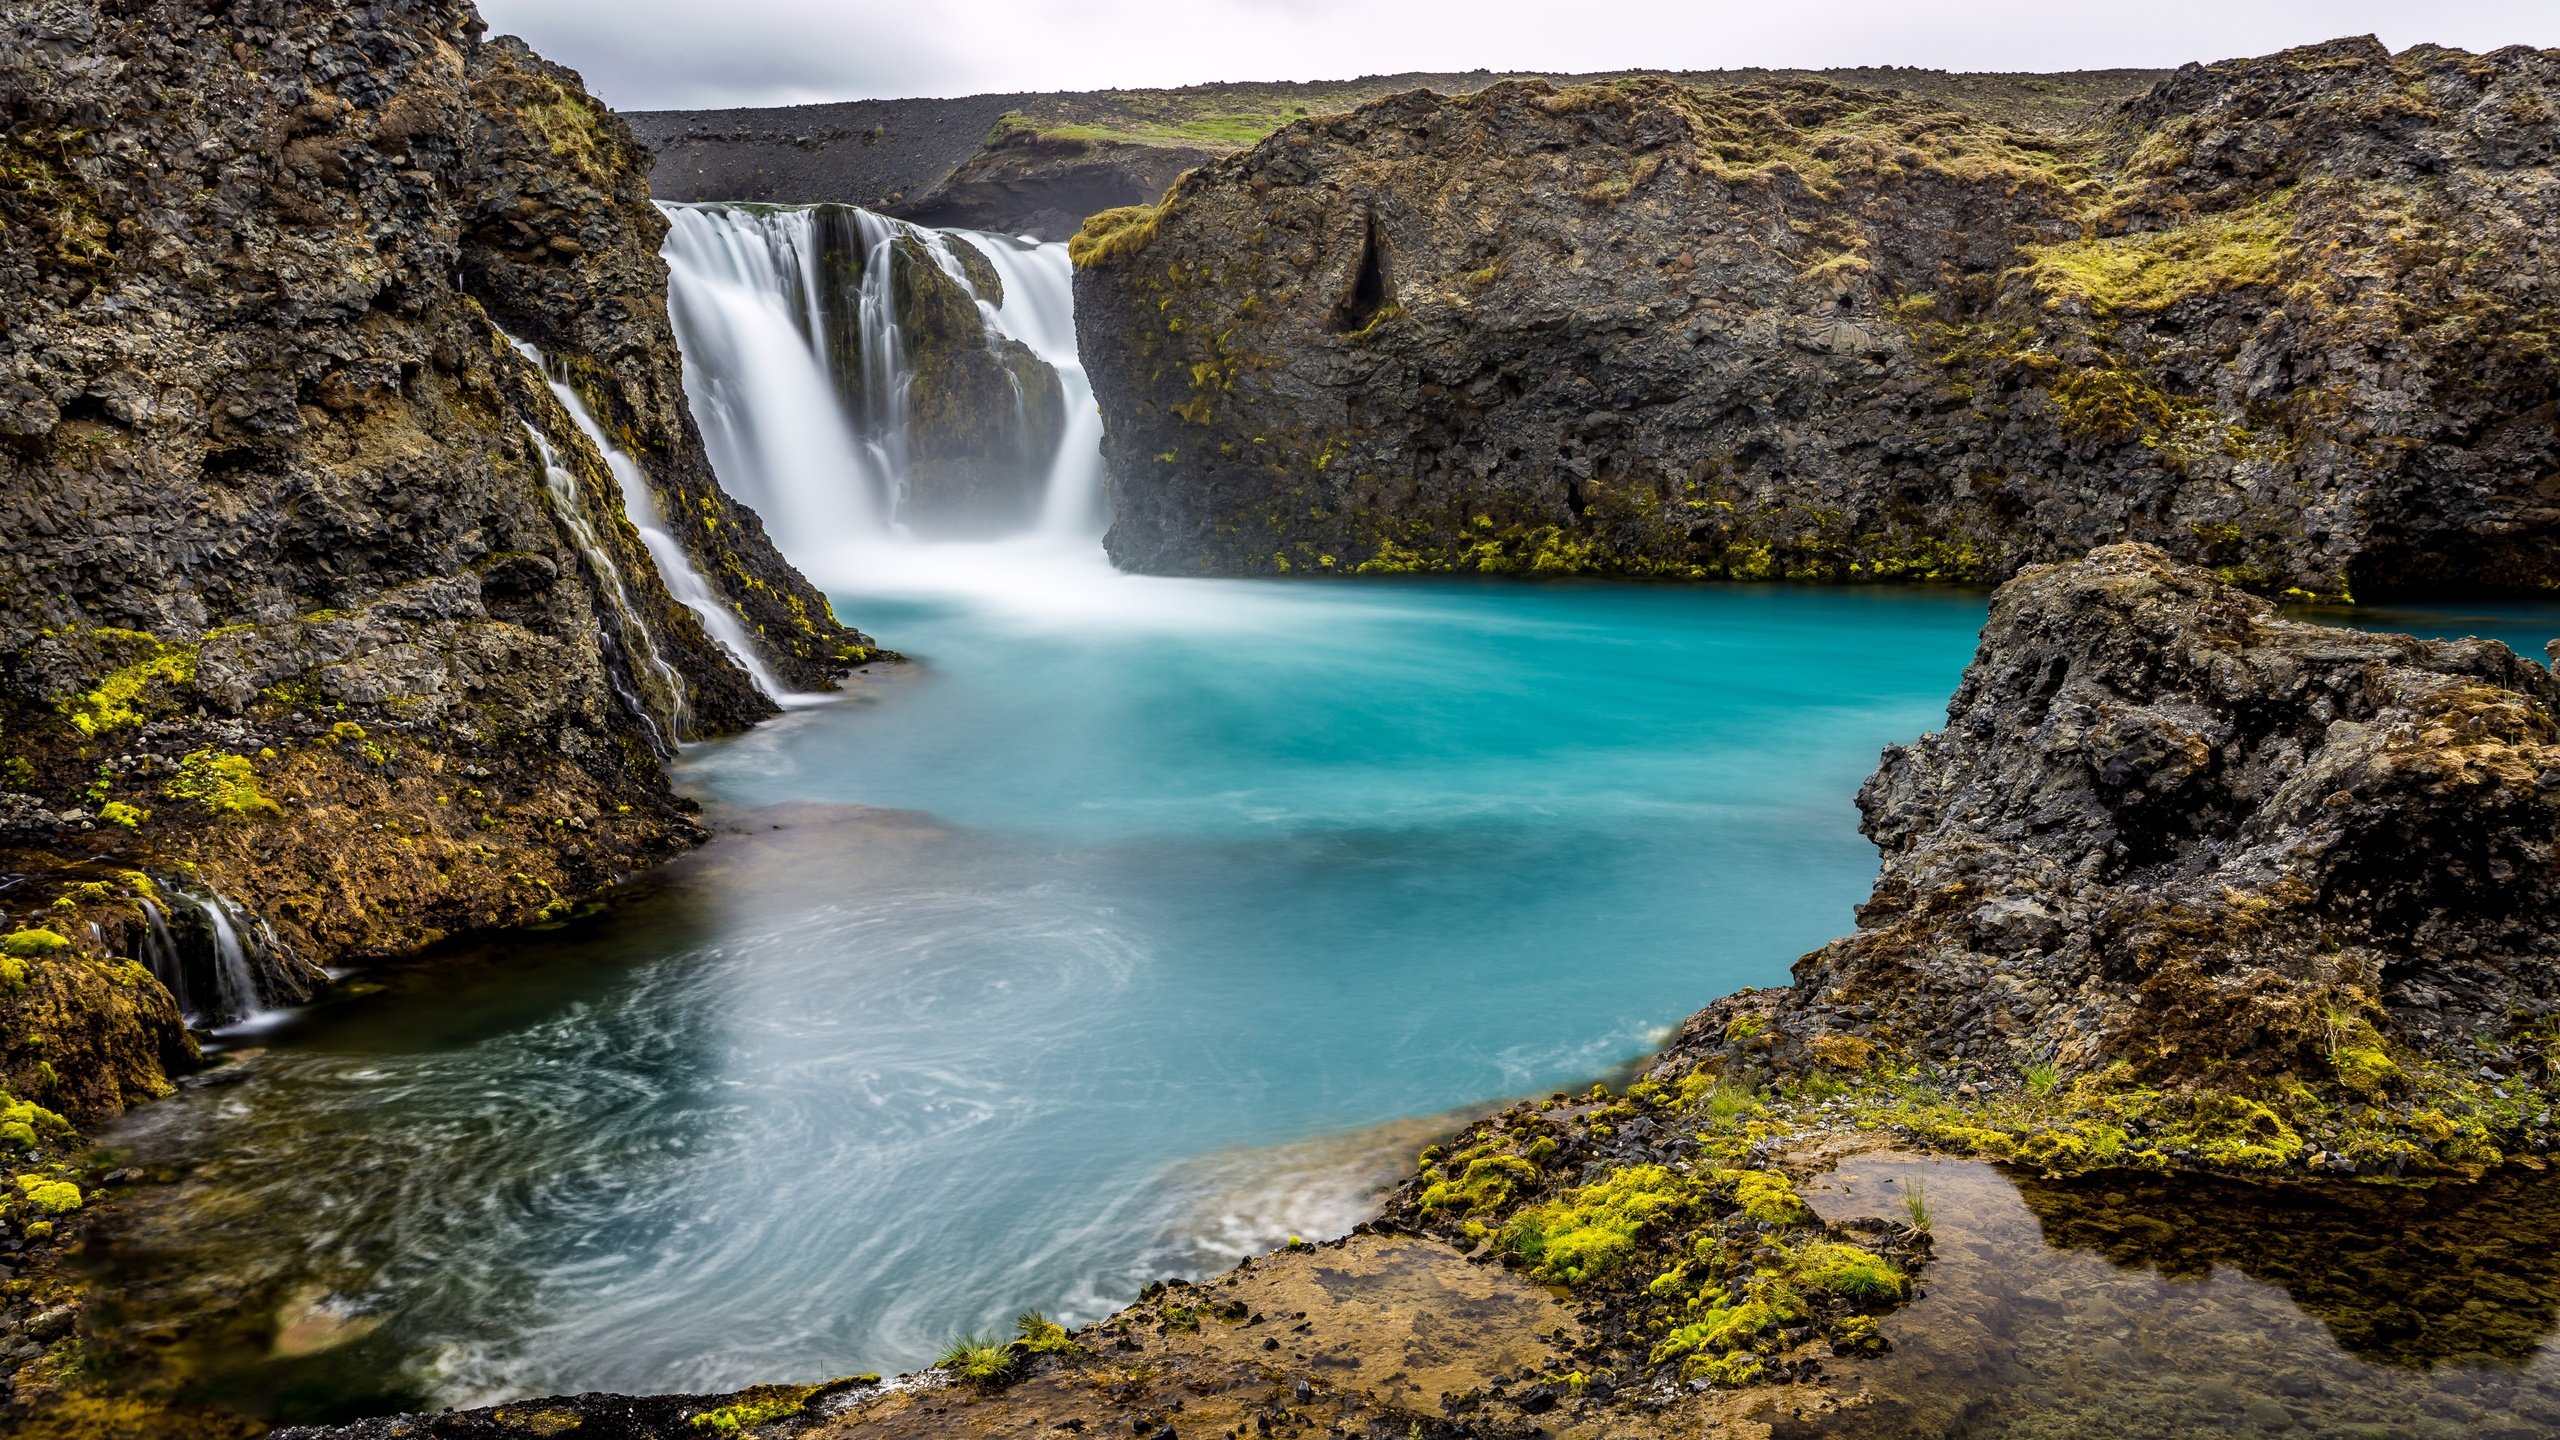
(1208, 132)
(1112, 234)
(1236, 116)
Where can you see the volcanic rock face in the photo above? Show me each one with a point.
(293, 600)
(2288, 318)
(2167, 828)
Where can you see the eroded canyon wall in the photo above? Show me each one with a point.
(313, 595)
(2290, 318)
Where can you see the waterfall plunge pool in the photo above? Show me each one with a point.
(1135, 926)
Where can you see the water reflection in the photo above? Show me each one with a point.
(2410, 1276)
(2126, 1307)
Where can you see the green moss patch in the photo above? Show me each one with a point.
(1113, 235)
(220, 785)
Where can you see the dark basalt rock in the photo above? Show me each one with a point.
(2287, 318)
(1026, 182)
(2166, 828)
(1038, 164)
(284, 602)
(984, 414)
(561, 246)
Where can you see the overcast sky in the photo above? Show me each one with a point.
(654, 54)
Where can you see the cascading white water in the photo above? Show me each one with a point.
(886, 376)
(1039, 310)
(767, 337)
(666, 718)
(235, 985)
(223, 988)
(744, 291)
(683, 579)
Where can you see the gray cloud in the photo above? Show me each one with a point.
(649, 54)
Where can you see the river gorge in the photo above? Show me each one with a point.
(1355, 653)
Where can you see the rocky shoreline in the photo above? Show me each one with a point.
(1655, 1255)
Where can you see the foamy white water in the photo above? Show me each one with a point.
(822, 456)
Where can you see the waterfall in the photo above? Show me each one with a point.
(683, 579)
(223, 965)
(749, 306)
(665, 719)
(1039, 310)
(801, 380)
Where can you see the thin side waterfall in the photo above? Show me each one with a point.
(221, 963)
(886, 376)
(684, 580)
(666, 713)
(800, 376)
(1039, 310)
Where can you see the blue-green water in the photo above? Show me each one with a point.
(1137, 924)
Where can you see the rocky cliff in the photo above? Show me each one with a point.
(1038, 164)
(315, 597)
(2166, 830)
(2289, 318)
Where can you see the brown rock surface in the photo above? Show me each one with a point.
(2284, 317)
(290, 606)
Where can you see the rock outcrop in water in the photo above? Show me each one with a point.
(2288, 318)
(314, 595)
(2166, 829)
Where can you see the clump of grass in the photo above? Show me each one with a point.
(2043, 1078)
(1730, 1098)
(1040, 1335)
(976, 1360)
(1915, 1203)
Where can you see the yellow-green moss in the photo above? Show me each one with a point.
(759, 1406)
(2154, 269)
(573, 129)
(1767, 1196)
(1850, 1271)
(32, 944)
(116, 700)
(222, 785)
(1485, 1184)
(1113, 234)
(49, 1195)
(1593, 1229)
